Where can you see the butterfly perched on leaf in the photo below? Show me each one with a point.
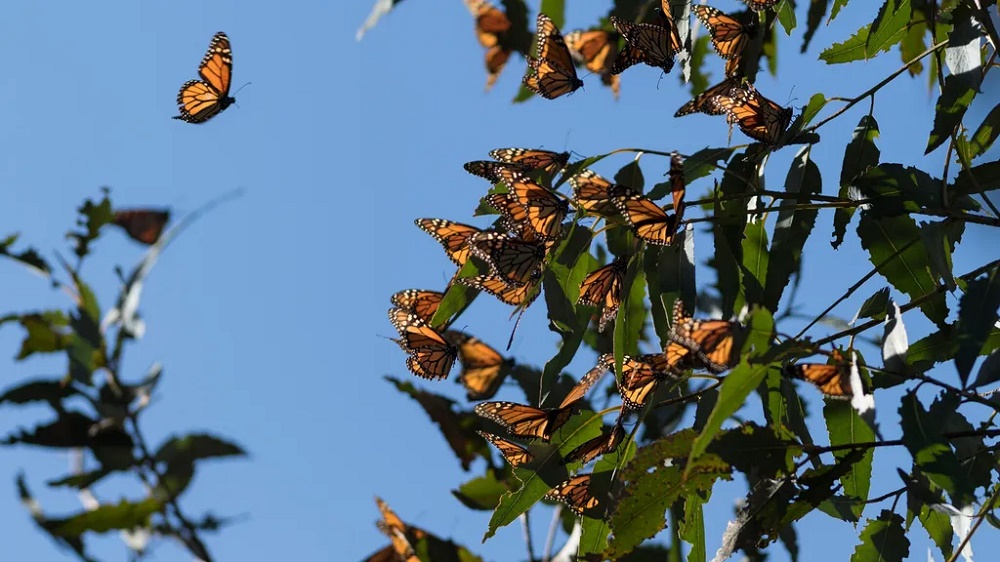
(715, 100)
(544, 210)
(596, 50)
(552, 73)
(648, 221)
(490, 170)
(454, 236)
(512, 452)
(200, 100)
(729, 35)
(594, 193)
(575, 493)
(520, 296)
(758, 117)
(431, 356)
(523, 421)
(603, 444)
(532, 158)
(514, 261)
(640, 377)
(832, 379)
(603, 287)
(491, 24)
(483, 368)
(142, 225)
(420, 302)
(714, 343)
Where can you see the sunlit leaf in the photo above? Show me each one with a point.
(883, 539)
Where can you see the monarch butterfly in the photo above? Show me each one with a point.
(603, 286)
(758, 5)
(483, 368)
(588, 381)
(575, 493)
(512, 452)
(832, 380)
(639, 377)
(142, 225)
(496, 59)
(544, 210)
(532, 158)
(596, 50)
(490, 170)
(758, 117)
(600, 445)
(515, 216)
(513, 261)
(454, 236)
(491, 23)
(711, 341)
(521, 296)
(200, 100)
(553, 73)
(399, 533)
(729, 35)
(594, 193)
(677, 184)
(714, 100)
(654, 45)
(431, 356)
(524, 421)
(419, 302)
(648, 221)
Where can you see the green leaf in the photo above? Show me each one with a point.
(912, 46)
(670, 274)
(977, 314)
(704, 162)
(989, 371)
(632, 313)
(815, 16)
(931, 451)
(845, 426)
(561, 282)
(755, 263)
(875, 306)
(29, 258)
(851, 50)
(174, 480)
(940, 239)
(883, 539)
(951, 106)
(123, 515)
(889, 27)
(699, 57)
(70, 429)
(45, 332)
(481, 493)
(82, 480)
(893, 248)
(816, 103)
(894, 189)
(631, 175)
(987, 133)
(792, 228)
(93, 217)
(978, 179)
(783, 408)
(554, 9)
(861, 154)
(38, 390)
(786, 16)
(195, 446)
(692, 527)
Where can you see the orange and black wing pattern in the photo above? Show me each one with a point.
(200, 100)
(532, 158)
(758, 117)
(832, 379)
(491, 24)
(758, 5)
(640, 376)
(421, 302)
(604, 364)
(712, 342)
(648, 43)
(678, 185)
(142, 225)
(483, 368)
(431, 356)
(595, 194)
(575, 493)
(716, 100)
(524, 422)
(512, 452)
(454, 236)
(603, 287)
(490, 170)
(593, 448)
(552, 73)
(520, 296)
(401, 549)
(596, 50)
(514, 261)
(729, 35)
(544, 210)
(648, 221)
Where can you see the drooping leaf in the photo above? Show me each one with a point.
(481, 493)
(931, 451)
(888, 28)
(861, 154)
(986, 134)
(109, 517)
(883, 539)
(977, 314)
(29, 258)
(845, 426)
(51, 391)
(196, 446)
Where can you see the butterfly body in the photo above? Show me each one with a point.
(200, 100)
(553, 73)
(431, 356)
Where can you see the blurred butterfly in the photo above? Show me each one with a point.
(729, 35)
(832, 379)
(715, 100)
(512, 452)
(544, 210)
(401, 549)
(596, 50)
(419, 302)
(532, 158)
(513, 261)
(200, 100)
(519, 296)
(594, 193)
(648, 221)
(713, 342)
(452, 235)
(649, 43)
(142, 225)
(640, 376)
(491, 24)
(678, 186)
(490, 170)
(603, 286)
(553, 73)
(588, 381)
(431, 356)
(523, 421)
(758, 117)
(483, 368)
(575, 493)
(603, 444)
(758, 5)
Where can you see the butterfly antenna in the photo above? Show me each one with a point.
(241, 88)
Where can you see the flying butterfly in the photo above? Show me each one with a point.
(200, 100)
(649, 43)
(575, 493)
(513, 261)
(431, 356)
(490, 170)
(420, 302)
(596, 50)
(142, 225)
(712, 342)
(491, 24)
(603, 287)
(483, 368)
(588, 381)
(600, 445)
(454, 236)
(544, 209)
(758, 117)
(715, 100)
(514, 453)
(532, 158)
(594, 193)
(833, 380)
(758, 5)
(729, 35)
(401, 534)
(648, 221)
(519, 296)
(553, 73)
(523, 421)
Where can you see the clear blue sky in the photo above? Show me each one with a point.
(269, 313)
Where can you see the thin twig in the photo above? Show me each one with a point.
(527, 534)
(550, 537)
(987, 506)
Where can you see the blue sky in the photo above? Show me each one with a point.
(269, 313)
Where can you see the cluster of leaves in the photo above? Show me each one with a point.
(96, 408)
